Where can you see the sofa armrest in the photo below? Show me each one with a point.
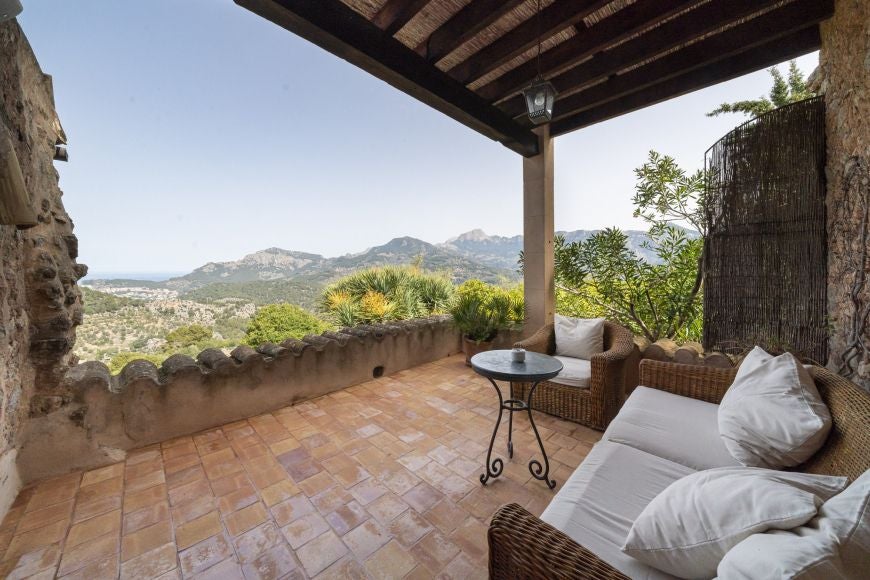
(524, 546)
(695, 381)
(543, 341)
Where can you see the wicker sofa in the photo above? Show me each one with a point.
(595, 405)
(625, 470)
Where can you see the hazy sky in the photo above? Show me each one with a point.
(201, 132)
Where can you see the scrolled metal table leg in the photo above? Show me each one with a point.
(538, 471)
(495, 466)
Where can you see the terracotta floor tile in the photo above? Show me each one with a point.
(185, 512)
(224, 570)
(276, 562)
(145, 481)
(145, 517)
(108, 523)
(39, 560)
(189, 492)
(409, 527)
(101, 489)
(320, 552)
(43, 517)
(284, 445)
(291, 509)
(38, 538)
(138, 456)
(88, 509)
(253, 543)
(278, 492)
(245, 519)
(317, 484)
(205, 554)
(347, 517)
(77, 557)
(344, 569)
(422, 497)
(365, 539)
(368, 491)
(304, 529)
(150, 564)
(331, 499)
(105, 568)
(462, 568)
(184, 476)
(197, 530)
(101, 474)
(236, 500)
(446, 515)
(391, 561)
(435, 551)
(221, 470)
(387, 508)
(54, 491)
(145, 539)
(180, 463)
(220, 456)
(471, 538)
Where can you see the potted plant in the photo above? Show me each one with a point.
(480, 316)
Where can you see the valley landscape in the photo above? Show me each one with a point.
(132, 315)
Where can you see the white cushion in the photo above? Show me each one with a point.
(598, 503)
(678, 428)
(688, 528)
(772, 415)
(579, 337)
(835, 544)
(576, 372)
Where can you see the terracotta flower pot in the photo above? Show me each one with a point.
(471, 348)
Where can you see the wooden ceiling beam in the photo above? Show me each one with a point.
(765, 55)
(395, 14)
(463, 26)
(689, 26)
(764, 29)
(335, 27)
(553, 19)
(587, 42)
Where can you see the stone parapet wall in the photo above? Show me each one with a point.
(667, 350)
(844, 78)
(96, 417)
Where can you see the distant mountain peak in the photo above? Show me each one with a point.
(475, 235)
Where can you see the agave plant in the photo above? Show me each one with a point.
(482, 312)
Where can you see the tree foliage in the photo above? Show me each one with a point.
(785, 90)
(481, 310)
(187, 336)
(386, 293)
(120, 360)
(603, 276)
(278, 322)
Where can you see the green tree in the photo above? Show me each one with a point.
(784, 91)
(278, 322)
(481, 310)
(120, 360)
(602, 275)
(187, 336)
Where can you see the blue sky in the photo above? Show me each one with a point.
(200, 132)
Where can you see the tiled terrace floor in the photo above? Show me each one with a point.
(379, 480)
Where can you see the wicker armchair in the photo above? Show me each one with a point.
(523, 546)
(596, 406)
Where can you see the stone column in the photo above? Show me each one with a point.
(845, 80)
(540, 290)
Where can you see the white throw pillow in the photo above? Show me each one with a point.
(579, 337)
(835, 544)
(772, 415)
(688, 528)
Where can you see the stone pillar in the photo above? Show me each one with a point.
(540, 290)
(845, 80)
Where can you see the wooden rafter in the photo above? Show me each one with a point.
(762, 30)
(585, 43)
(397, 13)
(553, 19)
(669, 35)
(340, 30)
(767, 54)
(463, 26)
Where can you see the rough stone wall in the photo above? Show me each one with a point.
(40, 304)
(844, 70)
(108, 415)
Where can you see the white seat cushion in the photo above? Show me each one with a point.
(576, 372)
(681, 429)
(598, 504)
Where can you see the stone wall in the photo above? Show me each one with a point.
(40, 304)
(844, 71)
(102, 416)
(667, 350)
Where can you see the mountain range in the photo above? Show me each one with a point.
(473, 254)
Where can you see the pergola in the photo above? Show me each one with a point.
(470, 59)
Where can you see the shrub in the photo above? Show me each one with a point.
(120, 360)
(186, 336)
(481, 310)
(386, 293)
(278, 322)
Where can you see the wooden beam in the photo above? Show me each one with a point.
(555, 18)
(463, 26)
(765, 55)
(340, 30)
(588, 41)
(671, 34)
(764, 29)
(395, 14)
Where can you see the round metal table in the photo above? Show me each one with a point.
(497, 365)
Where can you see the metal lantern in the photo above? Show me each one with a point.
(540, 96)
(9, 9)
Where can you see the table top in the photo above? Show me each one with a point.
(497, 364)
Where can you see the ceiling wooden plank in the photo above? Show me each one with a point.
(588, 41)
(765, 55)
(395, 14)
(671, 34)
(553, 19)
(764, 29)
(463, 26)
(340, 30)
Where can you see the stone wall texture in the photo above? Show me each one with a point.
(40, 304)
(845, 81)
